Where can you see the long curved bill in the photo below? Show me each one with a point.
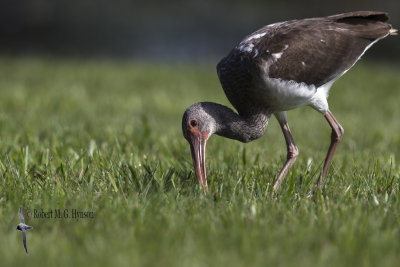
(198, 149)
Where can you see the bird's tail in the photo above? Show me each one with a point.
(393, 31)
(365, 24)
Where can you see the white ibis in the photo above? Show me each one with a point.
(280, 67)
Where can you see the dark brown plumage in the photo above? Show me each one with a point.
(318, 50)
(277, 68)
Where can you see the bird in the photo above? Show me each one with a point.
(23, 228)
(280, 67)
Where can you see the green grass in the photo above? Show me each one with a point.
(105, 136)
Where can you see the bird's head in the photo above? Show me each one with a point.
(197, 126)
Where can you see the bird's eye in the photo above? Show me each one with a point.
(193, 123)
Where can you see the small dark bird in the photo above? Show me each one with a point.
(23, 227)
(280, 67)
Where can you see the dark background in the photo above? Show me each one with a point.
(160, 30)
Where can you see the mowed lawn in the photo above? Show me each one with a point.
(105, 136)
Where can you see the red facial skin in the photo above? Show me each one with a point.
(197, 141)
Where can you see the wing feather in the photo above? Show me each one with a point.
(21, 217)
(315, 51)
(24, 240)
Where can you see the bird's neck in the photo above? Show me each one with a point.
(242, 128)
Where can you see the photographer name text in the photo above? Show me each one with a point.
(60, 214)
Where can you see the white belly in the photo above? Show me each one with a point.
(284, 95)
(281, 95)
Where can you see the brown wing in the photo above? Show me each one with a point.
(315, 51)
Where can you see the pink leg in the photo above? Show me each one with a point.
(292, 153)
(336, 136)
